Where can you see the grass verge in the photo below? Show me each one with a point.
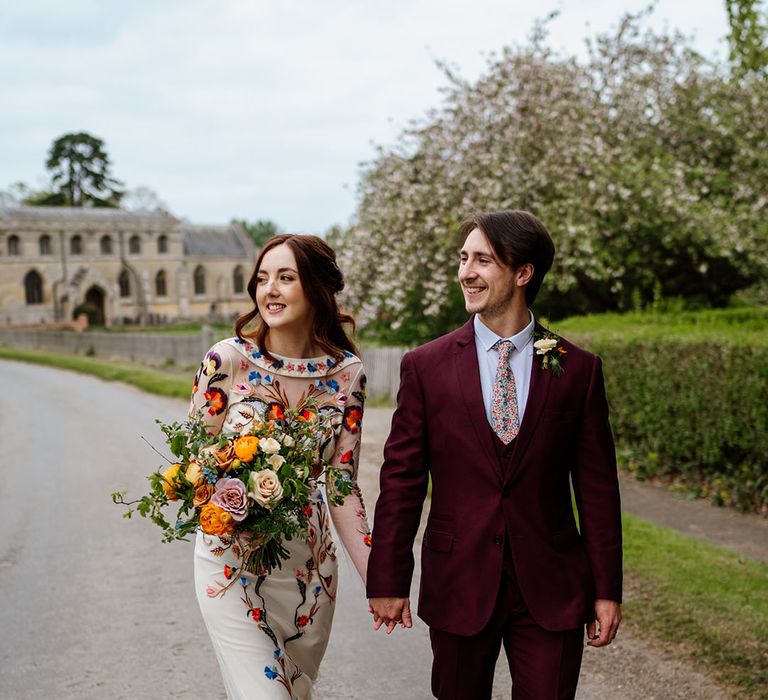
(700, 602)
(154, 381)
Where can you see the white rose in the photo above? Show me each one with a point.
(545, 345)
(265, 488)
(276, 461)
(288, 441)
(269, 445)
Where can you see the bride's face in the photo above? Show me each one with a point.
(280, 296)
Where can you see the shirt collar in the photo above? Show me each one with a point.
(488, 338)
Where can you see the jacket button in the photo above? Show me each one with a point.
(498, 539)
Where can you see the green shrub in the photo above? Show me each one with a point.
(691, 410)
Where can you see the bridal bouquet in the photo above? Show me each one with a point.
(251, 489)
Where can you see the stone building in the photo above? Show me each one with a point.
(119, 267)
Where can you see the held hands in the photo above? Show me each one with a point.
(390, 612)
(602, 630)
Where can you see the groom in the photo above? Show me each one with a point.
(505, 417)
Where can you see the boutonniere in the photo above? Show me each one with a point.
(548, 347)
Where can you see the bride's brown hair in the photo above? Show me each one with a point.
(321, 280)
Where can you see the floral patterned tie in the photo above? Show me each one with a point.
(505, 419)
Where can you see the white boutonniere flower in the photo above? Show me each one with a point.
(548, 347)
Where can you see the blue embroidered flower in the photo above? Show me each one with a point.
(243, 581)
(256, 354)
(270, 672)
(333, 386)
(178, 525)
(319, 383)
(277, 364)
(267, 379)
(317, 590)
(254, 377)
(278, 653)
(330, 362)
(311, 367)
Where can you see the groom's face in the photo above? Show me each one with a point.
(487, 283)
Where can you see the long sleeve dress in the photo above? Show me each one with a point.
(270, 632)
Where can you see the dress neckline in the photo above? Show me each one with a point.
(292, 366)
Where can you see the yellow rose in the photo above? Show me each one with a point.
(194, 474)
(214, 520)
(170, 481)
(245, 447)
(203, 494)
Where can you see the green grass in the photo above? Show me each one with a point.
(701, 602)
(149, 380)
(741, 325)
(220, 330)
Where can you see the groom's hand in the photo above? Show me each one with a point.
(390, 612)
(601, 632)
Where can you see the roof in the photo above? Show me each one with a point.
(94, 214)
(215, 241)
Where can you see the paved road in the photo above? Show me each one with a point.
(92, 606)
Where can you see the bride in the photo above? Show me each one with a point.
(270, 632)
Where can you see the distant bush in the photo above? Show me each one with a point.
(688, 398)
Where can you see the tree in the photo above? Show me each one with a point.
(259, 231)
(747, 37)
(80, 176)
(646, 162)
(142, 199)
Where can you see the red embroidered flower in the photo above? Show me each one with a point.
(302, 621)
(217, 401)
(228, 571)
(275, 411)
(308, 511)
(346, 458)
(367, 540)
(307, 415)
(256, 614)
(353, 416)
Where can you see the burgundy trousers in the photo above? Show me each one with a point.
(544, 665)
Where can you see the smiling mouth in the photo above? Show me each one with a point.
(473, 291)
(275, 308)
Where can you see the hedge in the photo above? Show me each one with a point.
(694, 412)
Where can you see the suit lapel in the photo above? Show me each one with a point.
(472, 393)
(538, 393)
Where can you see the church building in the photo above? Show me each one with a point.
(119, 267)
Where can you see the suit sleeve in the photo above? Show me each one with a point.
(596, 488)
(404, 478)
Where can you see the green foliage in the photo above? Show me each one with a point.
(747, 37)
(702, 602)
(259, 231)
(688, 398)
(80, 176)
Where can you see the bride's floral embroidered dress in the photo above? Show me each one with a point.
(270, 632)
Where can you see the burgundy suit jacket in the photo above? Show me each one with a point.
(440, 429)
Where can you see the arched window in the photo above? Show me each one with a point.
(134, 245)
(124, 282)
(162, 244)
(76, 245)
(13, 245)
(161, 288)
(33, 287)
(106, 245)
(45, 244)
(238, 281)
(199, 280)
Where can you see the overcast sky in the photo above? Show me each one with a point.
(256, 109)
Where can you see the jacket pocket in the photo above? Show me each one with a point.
(438, 541)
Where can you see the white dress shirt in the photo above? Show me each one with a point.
(520, 360)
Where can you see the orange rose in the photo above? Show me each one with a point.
(245, 447)
(225, 456)
(203, 494)
(215, 520)
(171, 481)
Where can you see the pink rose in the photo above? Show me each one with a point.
(231, 495)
